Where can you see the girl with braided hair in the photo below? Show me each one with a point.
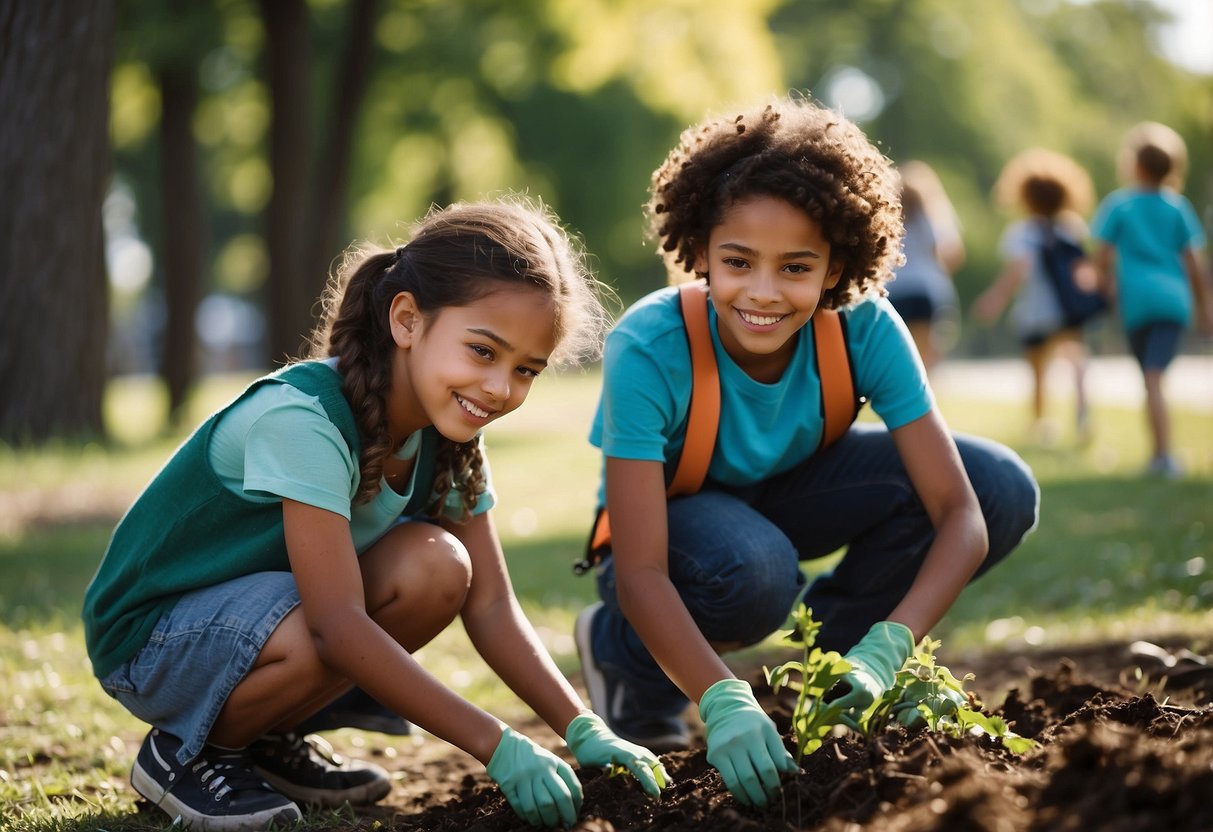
(791, 218)
(331, 521)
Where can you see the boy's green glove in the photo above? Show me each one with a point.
(743, 743)
(875, 661)
(593, 744)
(539, 786)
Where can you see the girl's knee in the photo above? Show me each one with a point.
(421, 562)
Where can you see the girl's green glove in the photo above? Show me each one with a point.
(875, 661)
(539, 786)
(743, 744)
(593, 744)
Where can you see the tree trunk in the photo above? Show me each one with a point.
(333, 165)
(290, 293)
(184, 232)
(55, 62)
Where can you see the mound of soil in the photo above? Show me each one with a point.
(1115, 754)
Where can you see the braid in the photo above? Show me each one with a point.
(364, 361)
(459, 468)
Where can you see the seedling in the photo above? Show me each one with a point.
(923, 692)
(813, 718)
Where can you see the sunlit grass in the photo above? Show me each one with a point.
(1116, 556)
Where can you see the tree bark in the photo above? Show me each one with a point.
(184, 232)
(333, 165)
(290, 294)
(55, 62)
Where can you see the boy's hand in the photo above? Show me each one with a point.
(593, 744)
(875, 661)
(743, 743)
(539, 786)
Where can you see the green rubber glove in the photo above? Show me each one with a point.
(594, 744)
(539, 786)
(743, 744)
(875, 661)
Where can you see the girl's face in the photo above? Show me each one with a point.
(768, 264)
(464, 366)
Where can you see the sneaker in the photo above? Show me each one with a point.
(308, 770)
(1165, 466)
(217, 790)
(609, 695)
(356, 709)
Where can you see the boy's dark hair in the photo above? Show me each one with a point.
(1154, 163)
(456, 256)
(791, 149)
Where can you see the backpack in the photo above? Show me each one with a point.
(839, 404)
(1060, 257)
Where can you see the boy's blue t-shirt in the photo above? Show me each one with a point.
(765, 429)
(1150, 231)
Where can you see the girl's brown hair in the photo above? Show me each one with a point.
(455, 256)
(791, 149)
(1044, 183)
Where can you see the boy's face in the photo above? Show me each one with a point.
(464, 366)
(768, 264)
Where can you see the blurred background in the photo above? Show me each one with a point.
(182, 175)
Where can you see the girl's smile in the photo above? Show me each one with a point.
(465, 366)
(768, 264)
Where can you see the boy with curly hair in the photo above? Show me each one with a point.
(785, 211)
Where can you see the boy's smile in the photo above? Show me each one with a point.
(767, 264)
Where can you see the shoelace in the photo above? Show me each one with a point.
(221, 775)
(297, 750)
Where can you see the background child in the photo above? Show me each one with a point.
(922, 291)
(1053, 191)
(333, 520)
(1151, 242)
(784, 210)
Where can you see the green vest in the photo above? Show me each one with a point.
(187, 531)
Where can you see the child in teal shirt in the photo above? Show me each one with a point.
(1151, 243)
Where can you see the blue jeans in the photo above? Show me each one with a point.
(735, 553)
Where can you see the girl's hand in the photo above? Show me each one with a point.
(539, 786)
(593, 744)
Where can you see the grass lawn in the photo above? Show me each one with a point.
(1115, 556)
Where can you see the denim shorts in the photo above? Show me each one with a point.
(199, 652)
(1155, 345)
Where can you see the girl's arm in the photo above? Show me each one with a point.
(354, 646)
(991, 303)
(960, 545)
(502, 634)
(1104, 265)
(636, 499)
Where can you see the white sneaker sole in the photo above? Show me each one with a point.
(595, 684)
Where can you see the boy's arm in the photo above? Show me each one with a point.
(1202, 297)
(933, 463)
(503, 636)
(636, 500)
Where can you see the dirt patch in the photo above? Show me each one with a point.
(1126, 743)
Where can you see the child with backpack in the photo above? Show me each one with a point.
(333, 519)
(1151, 247)
(1043, 269)
(791, 219)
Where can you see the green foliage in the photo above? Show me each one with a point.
(812, 718)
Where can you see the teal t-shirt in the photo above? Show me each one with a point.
(1150, 231)
(278, 443)
(765, 429)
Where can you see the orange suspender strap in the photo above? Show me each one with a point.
(838, 402)
(839, 406)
